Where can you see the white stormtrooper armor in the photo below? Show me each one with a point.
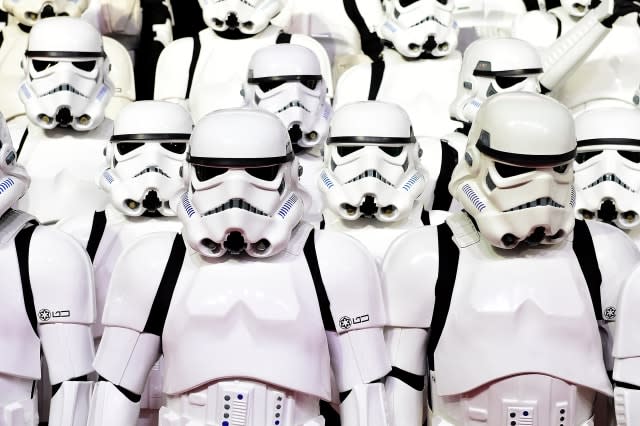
(419, 28)
(394, 79)
(506, 344)
(606, 73)
(286, 80)
(491, 66)
(65, 92)
(14, 41)
(373, 184)
(239, 351)
(488, 18)
(145, 155)
(120, 19)
(346, 29)
(28, 12)
(205, 73)
(607, 169)
(47, 305)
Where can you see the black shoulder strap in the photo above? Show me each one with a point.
(194, 61)
(23, 139)
(1, 38)
(448, 257)
(559, 33)
(425, 218)
(323, 299)
(441, 197)
(22, 242)
(97, 231)
(586, 254)
(283, 38)
(369, 41)
(162, 300)
(377, 73)
(531, 4)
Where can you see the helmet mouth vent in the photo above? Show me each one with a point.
(64, 117)
(235, 243)
(151, 201)
(608, 212)
(369, 207)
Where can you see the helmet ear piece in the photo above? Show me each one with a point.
(185, 174)
(109, 153)
(472, 159)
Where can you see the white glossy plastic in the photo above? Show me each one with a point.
(220, 68)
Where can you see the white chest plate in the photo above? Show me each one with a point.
(424, 88)
(11, 53)
(376, 236)
(516, 313)
(221, 70)
(241, 318)
(21, 347)
(64, 166)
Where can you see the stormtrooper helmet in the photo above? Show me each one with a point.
(28, 12)
(147, 149)
(576, 8)
(607, 169)
(243, 185)
(247, 16)
(14, 179)
(491, 66)
(285, 79)
(371, 163)
(419, 28)
(66, 75)
(516, 179)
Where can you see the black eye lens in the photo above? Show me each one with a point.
(267, 86)
(205, 173)
(393, 151)
(405, 3)
(343, 151)
(84, 65)
(444, 2)
(42, 65)
(507, 170)
(631, 155)
(561, 169)
(175, 147)
(505, 81)
(581, 157)
(309, 83)
(267, 173)
(126, 147)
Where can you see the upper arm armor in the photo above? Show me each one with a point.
(627, 338)
(351, 280)
(135, 281)
(409, 274)
(61, 278)
(172, 71)
(617, 257)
